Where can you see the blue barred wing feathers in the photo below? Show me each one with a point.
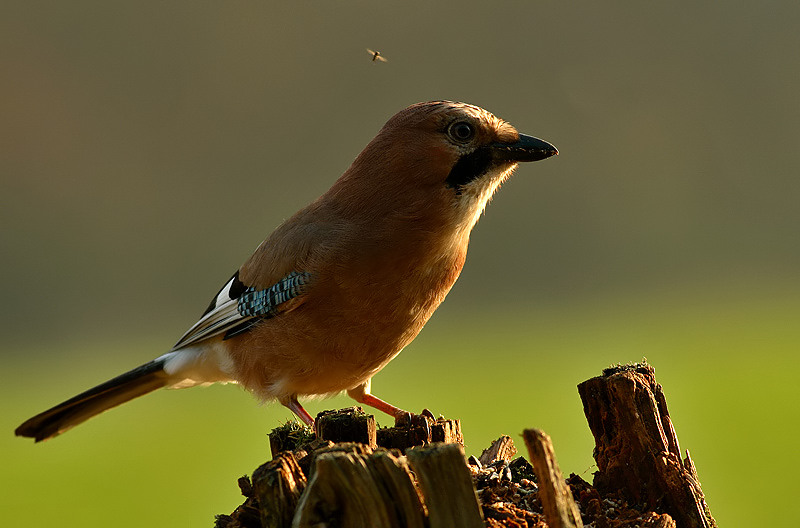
(237, 307)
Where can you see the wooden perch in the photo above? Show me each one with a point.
(354, 425)
(559, 507)
(447, 486)
(420, 429)
(354, 490)
(346, 425)
(289, 437)
(641, 481)
(277, 485)
(637, 450)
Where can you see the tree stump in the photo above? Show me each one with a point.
(447, 486)
(642, 481)
(346, 425)
(559, 507)
(277, 485)
(354, 490)
(414, 430)
(636, 447)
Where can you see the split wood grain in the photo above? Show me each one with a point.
(447, 487)
(558, 504)
(360, 491)
(636, 447)
(278, 485)
(501, 449)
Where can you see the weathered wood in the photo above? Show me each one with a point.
(642, 480)
(346, 425)
(308, 463)
(447, 432)
(501, 449)
(636, 448)
(447, 487)
(246, 515)
(559, 507)
(277, 486)
(289, 437)
(305, 453)
(412, 430)
(356, 490)
(394, 474)
(404, 437)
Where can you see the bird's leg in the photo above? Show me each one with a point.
(293, 405)
(361, 394)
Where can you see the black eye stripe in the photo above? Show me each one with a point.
(469, 167)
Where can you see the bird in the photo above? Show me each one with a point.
(376, 55)
(337, 290)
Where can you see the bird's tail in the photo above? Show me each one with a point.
(125, 387)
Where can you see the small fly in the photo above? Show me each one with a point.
(376, 55)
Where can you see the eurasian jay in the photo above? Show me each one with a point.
(338, 289)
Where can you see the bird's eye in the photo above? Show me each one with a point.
(461, 131)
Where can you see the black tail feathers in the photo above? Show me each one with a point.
(125, 387)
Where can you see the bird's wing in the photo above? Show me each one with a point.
(238, 307)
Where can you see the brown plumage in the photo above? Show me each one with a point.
(338, 289)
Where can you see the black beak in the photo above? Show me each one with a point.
(476, 163)
(526, 148)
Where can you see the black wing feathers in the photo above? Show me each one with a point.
(237, 307)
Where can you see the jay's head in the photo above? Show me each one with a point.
(444, 151)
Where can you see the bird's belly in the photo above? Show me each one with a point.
(344, 332)
(353, 353)
(316, 351)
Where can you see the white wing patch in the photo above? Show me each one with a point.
(235, 305)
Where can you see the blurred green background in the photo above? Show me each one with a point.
(148, 147)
